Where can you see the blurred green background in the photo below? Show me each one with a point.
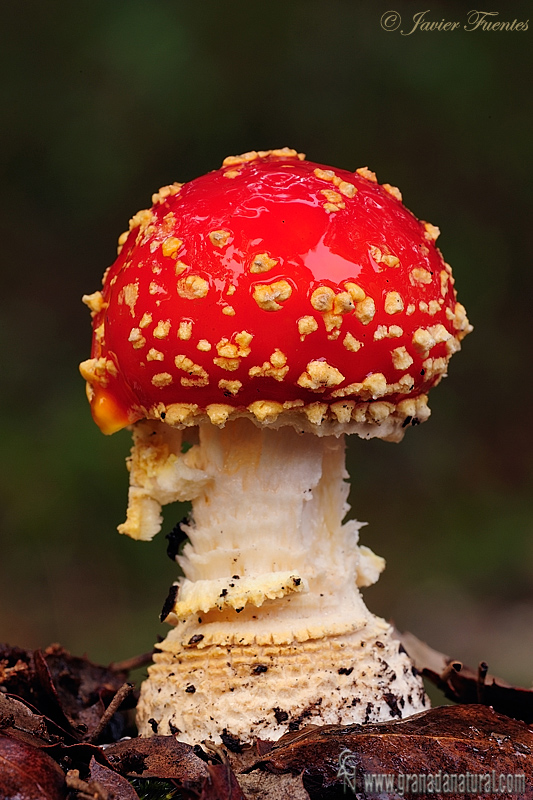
(104, 102)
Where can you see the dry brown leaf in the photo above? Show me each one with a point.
(267, 786)
(465, 685)
(78, 755)
(221, 784)
(70, 690)
(157, 757)
(116, 785)
(49, 701)
(27, 773)
(450, 739)
(19, 721)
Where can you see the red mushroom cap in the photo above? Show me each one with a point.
(268, 287)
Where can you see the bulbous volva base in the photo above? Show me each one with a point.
(266, 690)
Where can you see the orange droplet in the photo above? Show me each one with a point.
(108, 414)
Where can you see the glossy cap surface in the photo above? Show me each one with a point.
(270, 285)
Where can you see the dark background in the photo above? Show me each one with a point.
(103, 102)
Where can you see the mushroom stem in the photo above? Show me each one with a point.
(271, 514)
(270, 586)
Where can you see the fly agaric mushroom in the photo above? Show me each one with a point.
(259, 313)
